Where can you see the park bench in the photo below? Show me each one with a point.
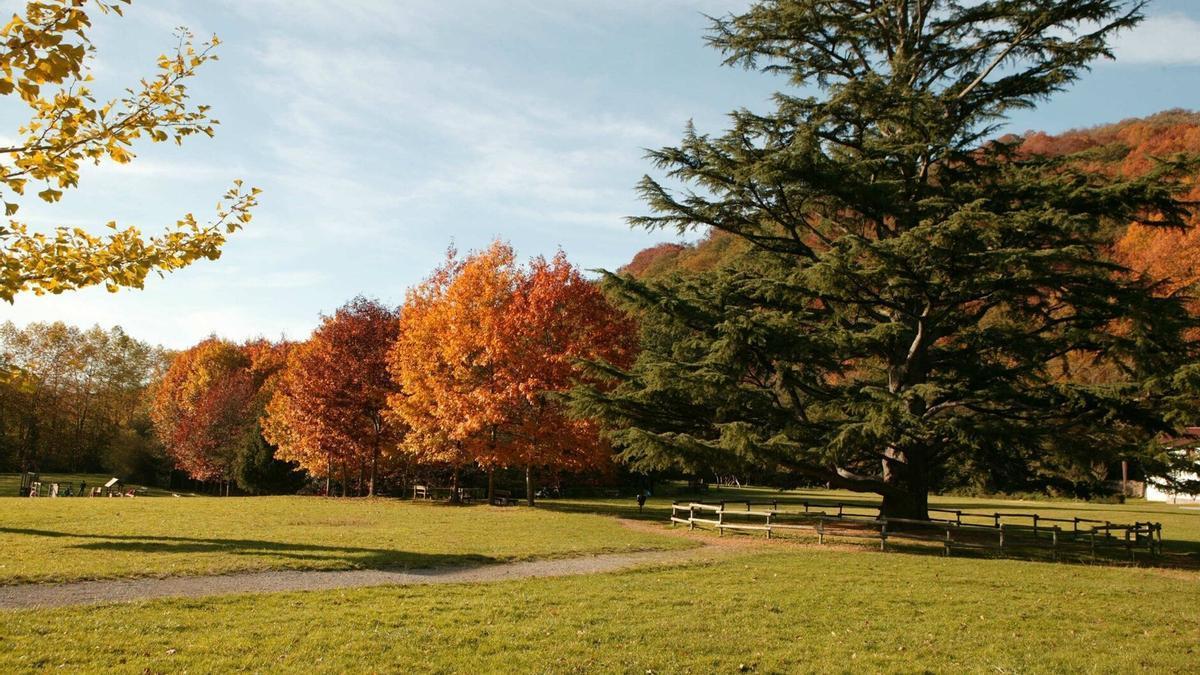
(426, 492)
(503, 498)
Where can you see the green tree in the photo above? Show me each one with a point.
(914, 293)
(257, 470)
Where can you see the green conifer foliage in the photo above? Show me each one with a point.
(916, 296)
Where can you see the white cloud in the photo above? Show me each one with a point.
(381, 132)
(1171, 39)
(453, 132)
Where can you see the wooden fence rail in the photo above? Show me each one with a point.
(951, 534)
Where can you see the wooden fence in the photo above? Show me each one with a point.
(1000, 532)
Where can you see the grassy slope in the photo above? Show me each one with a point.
(803, 609)
(67, 539)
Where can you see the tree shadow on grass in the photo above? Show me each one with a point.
(655, 512)
(333, 557)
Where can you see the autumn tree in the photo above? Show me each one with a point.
(45, 63)
(485, 349)
(190, 408)
(206, 410)
(911, 286)
(556, 321)
(445, 362)
(79, 402)
(329, 404)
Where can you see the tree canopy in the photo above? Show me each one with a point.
(206, 411)
(485, 348)
(328, 406)
(915, 290)
(78, 400)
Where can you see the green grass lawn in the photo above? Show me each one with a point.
(788, 610)
(774, 608)
(71, 539)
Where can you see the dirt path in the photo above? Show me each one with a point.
(129, 590)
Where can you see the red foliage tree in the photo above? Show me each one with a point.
(329, 403)
(209, 398)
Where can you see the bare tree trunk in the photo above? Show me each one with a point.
(529, 484)
(328, 472)
(374, 468)
(454, 496)
(904, 470)
(491, 498)
(344, 479)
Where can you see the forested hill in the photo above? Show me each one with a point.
(1127, 148)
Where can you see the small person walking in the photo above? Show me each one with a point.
(641, 499)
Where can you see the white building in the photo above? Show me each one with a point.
(1155, 493)
(1160, 493)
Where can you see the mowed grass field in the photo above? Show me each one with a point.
(772, 607)
(47, 540)
(807, 610)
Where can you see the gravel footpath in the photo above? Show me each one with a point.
(27, 596)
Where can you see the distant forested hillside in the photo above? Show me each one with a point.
(1129, 147)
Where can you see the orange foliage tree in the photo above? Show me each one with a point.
(486, 346)
(329, 404)
(1131, 148)
(209, 400)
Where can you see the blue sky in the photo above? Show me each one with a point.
(383, 132)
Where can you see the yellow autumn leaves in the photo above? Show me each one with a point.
(44, 60)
